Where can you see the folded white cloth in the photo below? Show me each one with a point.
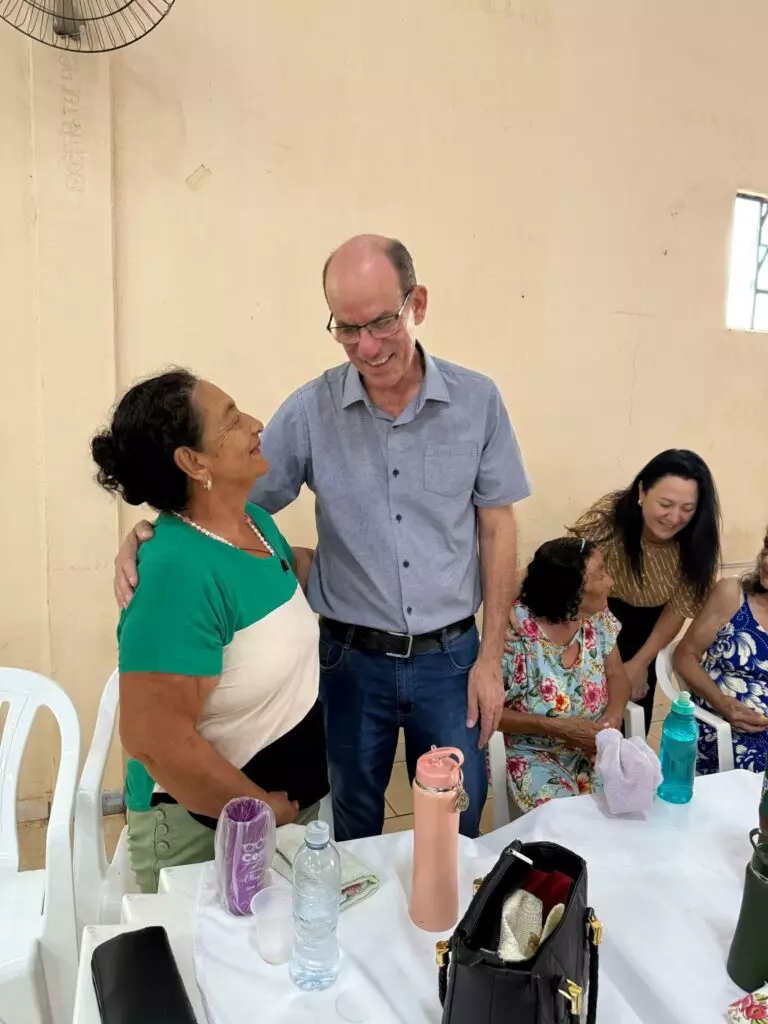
(629, 770)
(522, 931)
(357, 880)
(521, 925)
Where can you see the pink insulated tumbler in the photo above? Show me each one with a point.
(438, 799)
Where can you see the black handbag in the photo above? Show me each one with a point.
(477, 987)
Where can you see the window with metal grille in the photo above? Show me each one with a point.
(747, 308)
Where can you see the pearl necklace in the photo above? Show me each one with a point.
(223, 540)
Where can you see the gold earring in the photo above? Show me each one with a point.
(208, 484)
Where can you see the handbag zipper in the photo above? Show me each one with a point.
(499, 868)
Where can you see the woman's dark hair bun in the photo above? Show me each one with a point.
(117, 473)
(105, 457)
(135, 455)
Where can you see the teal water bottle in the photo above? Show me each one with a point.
(679, 746)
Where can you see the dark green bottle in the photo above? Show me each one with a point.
(748, 957)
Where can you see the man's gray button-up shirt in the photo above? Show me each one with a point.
(395, 499)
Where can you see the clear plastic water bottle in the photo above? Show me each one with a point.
(679, 746)
(316, 896)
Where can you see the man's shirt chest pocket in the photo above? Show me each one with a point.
(451, 469)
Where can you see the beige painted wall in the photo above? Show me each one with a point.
(563, 172)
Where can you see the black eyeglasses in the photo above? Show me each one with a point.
(380, 328)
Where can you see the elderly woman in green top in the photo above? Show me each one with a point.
(218, 655)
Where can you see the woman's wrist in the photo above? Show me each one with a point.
(521, 723)
(721, 704)
(554, 728)
(643, 658)
(615, 711)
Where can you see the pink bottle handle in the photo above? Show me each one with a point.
(455, 751)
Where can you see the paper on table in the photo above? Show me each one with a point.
(358, 882)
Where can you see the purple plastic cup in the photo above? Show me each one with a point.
(244, 847)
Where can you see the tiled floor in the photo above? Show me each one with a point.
(32, 840)
(398, 815)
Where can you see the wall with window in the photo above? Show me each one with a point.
(564, 174)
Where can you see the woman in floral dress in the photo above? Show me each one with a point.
(723, 658)
(563, 674)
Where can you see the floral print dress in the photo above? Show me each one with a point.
(540, 768)
(737, 661)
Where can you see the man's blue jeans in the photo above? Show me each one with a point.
(367, 697)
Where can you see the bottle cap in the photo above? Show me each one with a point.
(317, 835)
(683, 704)
(440, 768)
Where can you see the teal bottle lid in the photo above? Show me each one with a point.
(683, 705)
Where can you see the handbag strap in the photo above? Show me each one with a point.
(442, 956)
(594, 970)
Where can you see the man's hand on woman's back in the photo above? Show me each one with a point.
(126, 572)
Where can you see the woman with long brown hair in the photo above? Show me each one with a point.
(660, 538)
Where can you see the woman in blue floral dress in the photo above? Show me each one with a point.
(563, 674)
(723, 658)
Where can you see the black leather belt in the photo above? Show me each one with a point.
(395, 645)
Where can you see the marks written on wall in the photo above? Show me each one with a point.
(73, 145)
(498, 6)
(198, 178)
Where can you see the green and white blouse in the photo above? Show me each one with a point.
(203, 608)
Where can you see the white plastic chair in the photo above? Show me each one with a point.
(38, 940)
(634, 725)
(99, 884)
(667, 680)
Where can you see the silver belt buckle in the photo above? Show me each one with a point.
(407, 654)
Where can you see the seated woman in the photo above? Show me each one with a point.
(219, 669)
(723, 659)
(563, 674)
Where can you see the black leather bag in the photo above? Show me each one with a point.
(137, 980)
(477, 987)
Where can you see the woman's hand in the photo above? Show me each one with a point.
(611, 720)
(580, 733)
(637, 673)
(740, 717)
(285, 809)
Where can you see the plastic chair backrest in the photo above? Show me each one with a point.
(665, 672)
(90, 858)
(667, 680)
(24, 692)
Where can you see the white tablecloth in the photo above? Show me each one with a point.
(667, 886)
